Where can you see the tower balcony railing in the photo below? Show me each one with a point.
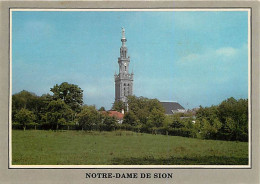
(124, 76)
(123, 58)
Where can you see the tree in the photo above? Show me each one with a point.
(156, 117)
(102, 109)
(148, 112)
(130, 119)
(176, 122)
(109, 123)
(233, 114)
(71, 94)
(208, 113)
(228, 120)
(207, 130)
(26, 100)
(25, 117)
(89, 118)
(142, 115)
(58, 113)
(43, 103)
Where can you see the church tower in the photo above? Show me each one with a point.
(123, 80)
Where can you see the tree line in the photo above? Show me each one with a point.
(226, 121)
(64, 109)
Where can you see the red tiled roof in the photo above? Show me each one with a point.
(115, 114)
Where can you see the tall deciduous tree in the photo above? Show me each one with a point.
(157, 117)
(57, 113)
(89, 118)
(145, 112)
(25, 117)
(26, 100)
(109, 123)
(71, 94)
(233, 114)
(131, 119)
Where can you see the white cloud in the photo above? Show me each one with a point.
(227, 51)
(212, 56)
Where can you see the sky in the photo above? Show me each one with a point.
(192, 57)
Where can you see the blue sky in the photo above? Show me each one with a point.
(194, 58)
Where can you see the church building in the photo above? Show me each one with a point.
(123, 80)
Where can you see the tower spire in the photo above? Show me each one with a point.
(124, 80)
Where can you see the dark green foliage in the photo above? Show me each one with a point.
(24, 117)
(71, 94)
(89, 118)
(145, 115)
(44, 101)
(37, 105)
(26, 100)
(156, 117)
(102, 109)
(58, 113)
(109, 123)
(31, 102)
(64, 110)
(50, 111)
(131, 119)
(234, 116)
(227, 121)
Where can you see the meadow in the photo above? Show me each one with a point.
(40, 147)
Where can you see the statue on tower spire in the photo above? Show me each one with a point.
(123, 33)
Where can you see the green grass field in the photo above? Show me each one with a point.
(39, 147)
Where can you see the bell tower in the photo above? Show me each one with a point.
(123, 80)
